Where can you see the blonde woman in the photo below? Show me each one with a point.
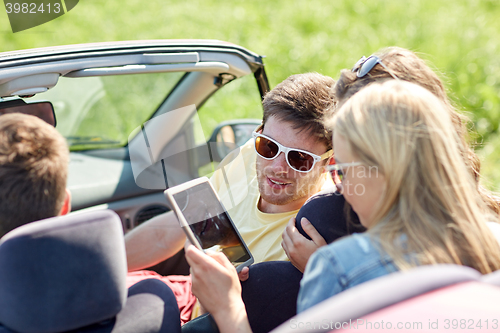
(402, 170)
(387, 64)
(403, 64)
(418, 203)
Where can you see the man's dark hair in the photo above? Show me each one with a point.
(305, 101)
(33, 170)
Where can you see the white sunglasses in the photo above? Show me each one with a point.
(340, 169)
(298, 159)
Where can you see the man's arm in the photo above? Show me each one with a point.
(154, 241)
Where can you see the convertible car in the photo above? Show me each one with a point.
(140, 117)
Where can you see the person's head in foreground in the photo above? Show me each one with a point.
(408, 181)
(395, 62)
(33, 171)
(294, 119)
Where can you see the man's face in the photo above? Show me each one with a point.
(282, 188)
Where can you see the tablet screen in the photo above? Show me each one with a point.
(210, 223)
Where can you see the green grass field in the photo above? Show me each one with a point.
(461, 39)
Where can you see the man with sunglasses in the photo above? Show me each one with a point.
(264, 184)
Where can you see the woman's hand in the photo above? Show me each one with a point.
(298, 248)
(217, 286)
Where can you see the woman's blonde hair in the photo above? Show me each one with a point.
(430, 197)
(407, 66)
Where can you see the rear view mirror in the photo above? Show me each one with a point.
(42, 110)
(230, 135)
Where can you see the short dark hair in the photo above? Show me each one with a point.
(304, 100)
(33, 170)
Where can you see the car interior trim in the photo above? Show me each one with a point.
(31, 83)
(106, 49)
(142, 69)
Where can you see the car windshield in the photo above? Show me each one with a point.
(101, 112)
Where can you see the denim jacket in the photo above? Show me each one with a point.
(341, 265)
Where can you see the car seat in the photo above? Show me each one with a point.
(380, 293)
(492, 278)
(68, 273)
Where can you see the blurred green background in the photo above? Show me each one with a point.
(460, 38)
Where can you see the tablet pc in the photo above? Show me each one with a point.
(206, 222)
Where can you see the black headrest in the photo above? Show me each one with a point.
(62, 273)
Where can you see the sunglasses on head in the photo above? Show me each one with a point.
(365, 65)
(340, 169)
(298, 159)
